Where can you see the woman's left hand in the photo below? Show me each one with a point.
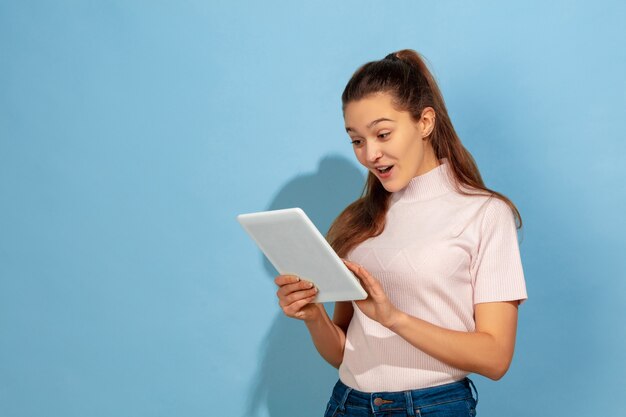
(377, 306)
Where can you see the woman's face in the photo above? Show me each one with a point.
(388, 142)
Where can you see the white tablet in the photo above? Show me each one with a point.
(294, 246)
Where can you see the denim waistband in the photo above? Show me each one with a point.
(418, 398)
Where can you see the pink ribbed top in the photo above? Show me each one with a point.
(440, 253)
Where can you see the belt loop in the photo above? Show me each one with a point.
(410, 410)
(473, 386)
(342, 403)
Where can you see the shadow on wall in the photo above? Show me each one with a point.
(292, 378)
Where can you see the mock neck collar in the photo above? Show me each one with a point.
(436, 182)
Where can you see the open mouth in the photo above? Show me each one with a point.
(384, 170)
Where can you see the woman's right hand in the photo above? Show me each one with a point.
(295, 297)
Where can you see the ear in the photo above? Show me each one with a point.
(427, 121)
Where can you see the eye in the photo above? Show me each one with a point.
(356, 142)
(384, 135)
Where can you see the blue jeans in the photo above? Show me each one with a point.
(448, 400)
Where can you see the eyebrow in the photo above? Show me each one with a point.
(369, 126)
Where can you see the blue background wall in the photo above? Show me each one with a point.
(132, 133)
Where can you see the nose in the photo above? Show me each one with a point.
(373, 152)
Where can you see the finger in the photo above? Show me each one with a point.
(287, 289)
(359, 271)
(347, 262)
(297, 296)
(351, 266)
(294, 308)
(291, 292)
(366, 276)
(281, 280)
(367, 287)
(370, 284)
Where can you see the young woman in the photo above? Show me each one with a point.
(434, 248)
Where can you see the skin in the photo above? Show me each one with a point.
(404, 143)
(399, 141)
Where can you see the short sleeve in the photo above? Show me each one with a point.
(496, 269)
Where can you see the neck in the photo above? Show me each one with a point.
(433, 183)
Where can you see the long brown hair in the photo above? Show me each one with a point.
(405, 76)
